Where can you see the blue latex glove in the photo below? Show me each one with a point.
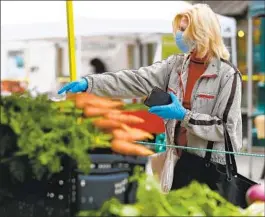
(172, 111)
(75, 86)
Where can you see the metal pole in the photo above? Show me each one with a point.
(136, 53)
(249, 92)
(71, 39)
(234, 50)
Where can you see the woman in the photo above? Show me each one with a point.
(205, 89)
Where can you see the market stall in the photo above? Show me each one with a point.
(40, 136)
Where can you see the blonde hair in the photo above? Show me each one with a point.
(204, 28)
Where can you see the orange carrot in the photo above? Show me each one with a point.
(84, 99)
(121, 134)
(80, 104)
(104, 103)
(90, 111)
(80, 96)
(136, 131)
(73, 96)
(107, 124)
(124, 118)
(142, 151)
(127, 148)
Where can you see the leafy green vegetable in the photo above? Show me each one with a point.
(43, 132)
(193, 200)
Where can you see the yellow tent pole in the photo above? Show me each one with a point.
(71, 39)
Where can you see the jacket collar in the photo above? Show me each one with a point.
(213, 69)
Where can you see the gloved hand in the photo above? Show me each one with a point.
(172, 111)
(75, 86)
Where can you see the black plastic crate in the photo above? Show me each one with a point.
(108, 178)
(47, 197)
(50, 197)
(67, 192)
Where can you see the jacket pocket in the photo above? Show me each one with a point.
(204, 102)
(206, 96)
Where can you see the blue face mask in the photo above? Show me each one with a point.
(181, 43)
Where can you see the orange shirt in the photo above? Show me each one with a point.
(196, 69)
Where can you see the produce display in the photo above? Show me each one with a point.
(108, 116)
(193, 200)
(35, 133)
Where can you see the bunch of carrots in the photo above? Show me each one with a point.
(111, 119)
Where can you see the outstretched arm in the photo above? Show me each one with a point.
(131, 83)
(126, 83)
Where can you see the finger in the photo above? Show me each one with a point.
(157, 108)
(75, 88)
(66, 88)
(157, 112)
(154, 110)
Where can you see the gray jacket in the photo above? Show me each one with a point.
(211, 100)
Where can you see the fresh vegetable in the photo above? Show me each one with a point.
(107, 124)
(121, 134)
(256, 209)
(35, 133)
(128, 148)
(103, 103)
(255, 193)
(124, 118)
(90, 111)
(40, 131)
(135, 131)
(84, 99)
(80, 99)
(193, 200)
(72, 96)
